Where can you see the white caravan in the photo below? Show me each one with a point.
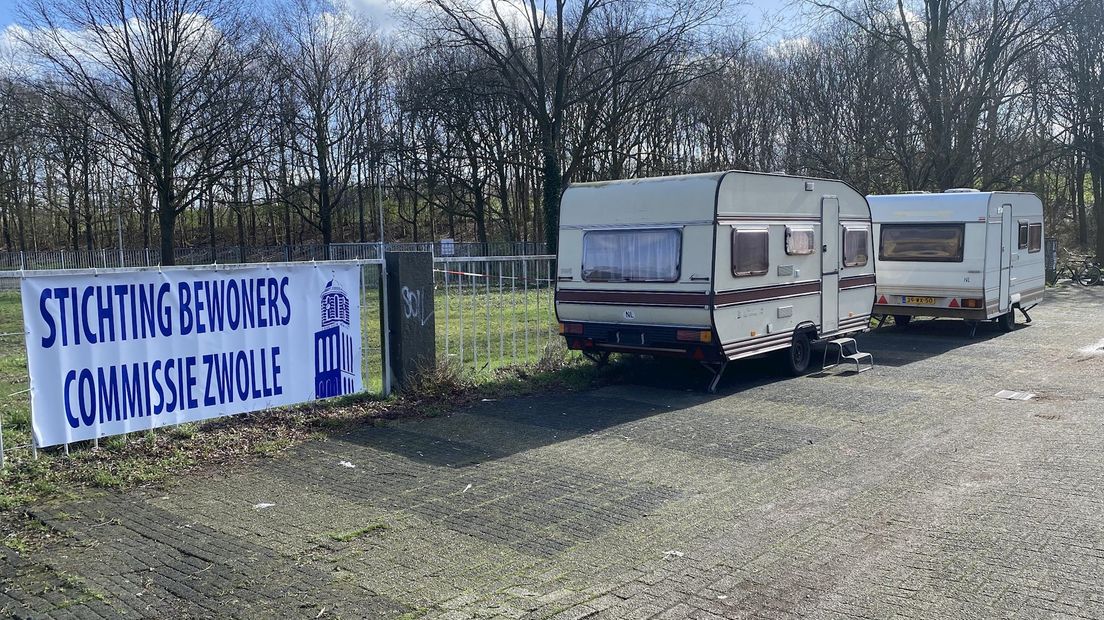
(713, 267)
(962, 254)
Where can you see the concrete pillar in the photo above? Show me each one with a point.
(411, 329)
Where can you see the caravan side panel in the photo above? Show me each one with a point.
(759, 304)
(1027, 277)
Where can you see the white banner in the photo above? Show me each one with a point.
(119, 352)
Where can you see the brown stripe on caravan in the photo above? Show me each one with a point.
(765, 293)
(751, 346)
(854, 322)
(857, 281)
(751, 340)
(634, 298)
(725, 219)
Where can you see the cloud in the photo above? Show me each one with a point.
(388, 16)
(383, 13)
(789, 46)
(15, 59)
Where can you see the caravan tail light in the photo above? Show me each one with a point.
(694, 335)
(971, 303)
(571, 328)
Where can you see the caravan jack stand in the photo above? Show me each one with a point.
(717, 370)
(973, 328)
(1024, 311)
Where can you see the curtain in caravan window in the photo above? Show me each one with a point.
(939, 243)
(750, 252)
(645, 255)
(800, 241)
(1034, 238)
(854, 247)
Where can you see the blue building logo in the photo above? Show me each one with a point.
(333, 346)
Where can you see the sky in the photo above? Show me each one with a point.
(760, 14)
(754, 9)
(7, 12)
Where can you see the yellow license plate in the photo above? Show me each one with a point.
(919, 301)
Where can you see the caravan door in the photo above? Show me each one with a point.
(1005, 256)
(830, 240)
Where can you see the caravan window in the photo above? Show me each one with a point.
(1034, 237)
(937, 243)
(1023, 236)
(855, 242)
(639, 255)
(799, 241)
(750, 251)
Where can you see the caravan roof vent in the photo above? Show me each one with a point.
(913, 192)
(962, 190)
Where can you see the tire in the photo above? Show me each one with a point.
(1007, 321)
(1089, 276)
(797, 358)
(902, 320)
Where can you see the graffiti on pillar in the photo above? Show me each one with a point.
(414, 305)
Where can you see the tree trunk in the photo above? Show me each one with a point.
(553, 182)
(211, 225)
(1079, 200)
(166, 221)
(360, 203)
(1096, 165)
(240, 217)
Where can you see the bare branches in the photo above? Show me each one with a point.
(181, 119)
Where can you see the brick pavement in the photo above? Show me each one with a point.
(907, 492)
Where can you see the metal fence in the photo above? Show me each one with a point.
(491, 312)
(223, 255)
(497, 311)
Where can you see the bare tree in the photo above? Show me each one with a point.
(537, 49)
(328, 62)
(166, 74)
(960, 57)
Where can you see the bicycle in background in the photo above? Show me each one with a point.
(1085, 271)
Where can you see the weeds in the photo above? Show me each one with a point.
(353, 535)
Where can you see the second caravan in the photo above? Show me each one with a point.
(960, 254)
(713, 267)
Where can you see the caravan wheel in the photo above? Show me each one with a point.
(799, 354)
(1008, 321)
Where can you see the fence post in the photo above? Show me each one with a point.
(385, 336)
(22, 264)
